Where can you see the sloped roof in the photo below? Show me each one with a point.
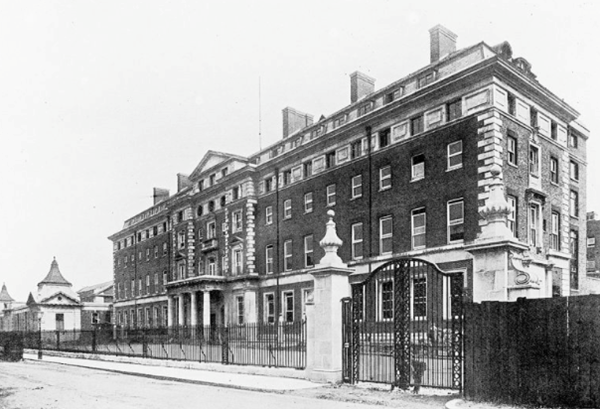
(4, 296)
(97, 288)
(54, 276)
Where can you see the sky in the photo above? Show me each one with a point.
(100, 101)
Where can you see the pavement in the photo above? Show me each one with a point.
(205, 377)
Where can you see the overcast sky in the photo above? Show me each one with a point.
(100, 101)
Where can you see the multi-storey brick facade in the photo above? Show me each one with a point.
(407, 171)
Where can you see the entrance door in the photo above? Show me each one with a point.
(403, 326)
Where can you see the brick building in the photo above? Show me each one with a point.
(406, 169)
(593, 252)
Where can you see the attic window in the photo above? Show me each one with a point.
(365, 108)
(427, 79)
(224, 172)
(394, 95)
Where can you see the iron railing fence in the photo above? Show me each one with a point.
(259, 344)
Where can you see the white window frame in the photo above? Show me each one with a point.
(287, 255)
(357, 241)
(269, 215)
(511, 148)
(386, 236)
(309, 252)
(574, 170)
(331, 195)
(237, 257)
(239, 309)
(285, 297)
(385, 177)
(211, 229)
(308, 202)
(553, 169)
(555, 231)
(534, 160)
(534, 223)
(236, 221)
(417, 170)
(287, 209)
(574, 203)
(413, 299)
(456, 222)
(212, 266)
(380, 309)
(269, 259)
(418, 231)
(269, 313)
(457, 154)
(356, 186)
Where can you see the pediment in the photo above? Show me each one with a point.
(59, 298)
(212, 159)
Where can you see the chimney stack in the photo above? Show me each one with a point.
(294, 120)
(360, 85)
(183, 181)
(443, 42)
(160, 194)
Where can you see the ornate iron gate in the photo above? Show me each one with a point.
(403, 325)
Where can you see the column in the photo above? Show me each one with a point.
(181, 314)
(194, 307)
(206, 313)
(169, 311)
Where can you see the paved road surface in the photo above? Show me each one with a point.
(37, 385)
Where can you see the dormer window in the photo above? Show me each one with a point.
(427, 79)
(340, 121)
(224, 172)
(394, 95)
(365, 108)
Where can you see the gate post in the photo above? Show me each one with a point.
(324, 311)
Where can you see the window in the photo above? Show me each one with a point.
(181, 271)
(268, 184)
(155, 251)
(385, 177)
(418, 228)
(307, 294)
(211, 230)
(417, 167)
(287, 209)
(133, 288)
(211, 206)
(385, 235)
(329, 159)
(572, 140)
(155, 280)
(512, 215)
(212, 179)
(287, 255)
(574, 203)
(357, 241)
(212, 266)
(455, 150)
(454, 110)
(235, 193)
(308, 202)
(356, 149)
(308, 251)
(60, 322)
(288, 306)
(511, 148)
(456, 214)
(533, 117)
(239, 301)
(139, 286)
(307, 169)
(223, 201)
(237, 261)
(201, 185)
(237, 221)
(165, 278)
(394, 95)
(574, 263)
(534, 225)
(384, 138)
(147, 254)
(147, 283)
(553, 169)
(416, 125)
(330, 195)
(512, 104)
(574, 170)
(591, 241)
(419, 298)
(269, 259)
(269, 215)
(555, 231)
(287, 177)
(553, 130)
(426, 79)
(165, 249)
(534, 160)
(269, 308)
(386, 300)
(356, 186)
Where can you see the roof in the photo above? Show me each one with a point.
(96, 288)
(54, 276)
(4, 296)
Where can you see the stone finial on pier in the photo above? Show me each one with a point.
(331, 243)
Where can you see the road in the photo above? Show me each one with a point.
(37, 385)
